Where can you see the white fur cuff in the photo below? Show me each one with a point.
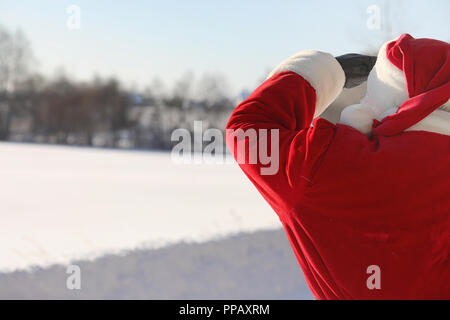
(321, 70)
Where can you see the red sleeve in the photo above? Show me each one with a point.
(284, 104)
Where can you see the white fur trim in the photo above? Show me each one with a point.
(446, 106)
(386, 85)
(438, 122)
(321, 70)
(348, 96)
(359, 117)
(386, 92)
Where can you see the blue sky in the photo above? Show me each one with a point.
(139, 40)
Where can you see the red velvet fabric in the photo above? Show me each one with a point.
(348, 201)
(426, 65)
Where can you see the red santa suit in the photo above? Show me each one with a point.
(365, 203)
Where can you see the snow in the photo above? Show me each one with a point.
(257, 265)
(107, 208)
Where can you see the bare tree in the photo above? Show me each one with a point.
(15, 64)
(155, 93)
(212, 91)
(182, 91)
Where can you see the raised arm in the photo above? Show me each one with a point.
(280, 112)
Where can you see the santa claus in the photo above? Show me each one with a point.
(365, 202)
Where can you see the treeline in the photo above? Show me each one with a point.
(100, 112)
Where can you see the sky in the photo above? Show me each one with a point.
(138, 41)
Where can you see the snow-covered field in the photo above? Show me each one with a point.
(139, 226)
